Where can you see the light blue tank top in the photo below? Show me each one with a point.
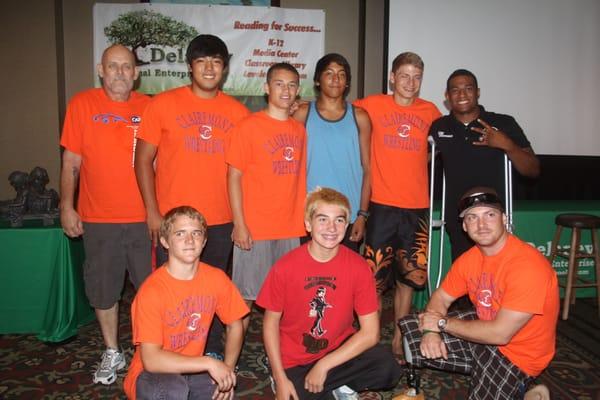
(333, 155)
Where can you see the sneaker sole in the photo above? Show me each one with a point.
(345, 396)
(111, 379)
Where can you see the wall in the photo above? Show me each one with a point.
(374, 47)
(29, 95)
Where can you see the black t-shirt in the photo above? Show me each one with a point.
(467, 165)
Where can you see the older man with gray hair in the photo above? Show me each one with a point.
(99, 138)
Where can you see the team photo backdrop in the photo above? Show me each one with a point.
(256, 37)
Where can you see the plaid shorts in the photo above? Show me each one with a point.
(493, 376)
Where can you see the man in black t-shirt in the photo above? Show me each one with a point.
(472, 143)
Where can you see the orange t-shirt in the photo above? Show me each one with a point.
(271, 155)
(177, 314)
(399, 150)
(103, 132)
(518, 278)
(190, 133)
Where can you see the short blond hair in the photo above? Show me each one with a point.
(327, 196)
(181, 211)
(409, 58)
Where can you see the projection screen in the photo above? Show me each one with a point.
(537, 60)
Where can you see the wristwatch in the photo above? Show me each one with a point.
(442, 324)
(363, 213)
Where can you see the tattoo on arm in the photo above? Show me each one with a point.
(75, 172)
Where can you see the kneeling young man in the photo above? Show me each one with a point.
(171, 316)
(310, 297)
(510, 338)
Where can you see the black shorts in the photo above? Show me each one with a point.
(110, 250)
(396, 245)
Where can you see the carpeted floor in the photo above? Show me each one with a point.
(30, 369)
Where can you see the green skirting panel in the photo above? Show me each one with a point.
(41, 284)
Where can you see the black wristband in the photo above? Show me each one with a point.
(363, 213)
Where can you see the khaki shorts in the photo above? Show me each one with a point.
(110, 250)
(250, 267)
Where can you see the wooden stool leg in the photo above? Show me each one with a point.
(553, 247)
(575, 265)
(570, 270)
(596, 250)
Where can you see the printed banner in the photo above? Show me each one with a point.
(256, 37)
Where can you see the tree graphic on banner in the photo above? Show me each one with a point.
(143, 28)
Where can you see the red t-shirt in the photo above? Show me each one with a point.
(318, 301)
(399, 150)
(271, 156)
(518, 278)
(177, 314)
(103, 132)
(190, 133)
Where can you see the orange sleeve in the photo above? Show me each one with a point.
(236, 151)
(146, 321)
(455, 282)
(519, 296)
(359, 103)
(230, 306)
(72, 130)
(151, 127)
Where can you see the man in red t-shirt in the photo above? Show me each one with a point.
(510, 337)
(398, 220)
(310, 298)
(99, 138)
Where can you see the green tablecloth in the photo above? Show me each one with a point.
(41, 285)
(533, 222)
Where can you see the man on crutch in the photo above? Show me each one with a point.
(509, 337)
(472, 143)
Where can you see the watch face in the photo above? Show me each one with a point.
(442, 324)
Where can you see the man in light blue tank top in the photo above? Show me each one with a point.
(338, 142)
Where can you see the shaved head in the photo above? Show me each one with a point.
(118, 72)
(117, 49)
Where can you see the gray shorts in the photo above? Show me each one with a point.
(110, 250)
(250, 267)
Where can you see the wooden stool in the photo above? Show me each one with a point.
(576, 222)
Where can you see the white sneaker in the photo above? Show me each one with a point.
(344, 393)
(112, 361)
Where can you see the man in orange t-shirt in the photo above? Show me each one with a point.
(398, 220)
(183, 136)
(99, 138)
(510, 337)
(171, 316)
(267, 183)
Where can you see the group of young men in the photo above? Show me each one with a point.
(193, 173)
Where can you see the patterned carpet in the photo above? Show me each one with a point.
(30, 369)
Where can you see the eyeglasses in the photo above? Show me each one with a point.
(490, 199)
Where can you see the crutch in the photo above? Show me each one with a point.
(508, 193)
(413, 380)
(438, 223)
